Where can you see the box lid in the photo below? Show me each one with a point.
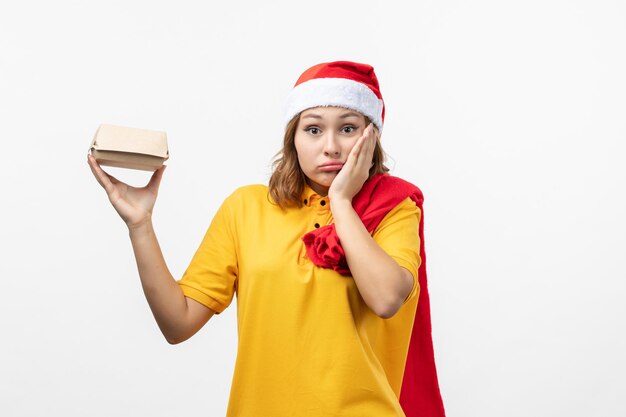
(130, 139)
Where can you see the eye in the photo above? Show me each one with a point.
(348, 129)
(312, 130)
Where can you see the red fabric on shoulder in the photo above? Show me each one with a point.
(420, 395)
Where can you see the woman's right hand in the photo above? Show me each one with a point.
(134, 205)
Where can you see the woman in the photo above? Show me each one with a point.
(324, 262)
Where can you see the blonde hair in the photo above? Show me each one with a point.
(288, 180)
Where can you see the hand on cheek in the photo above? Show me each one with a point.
(355, 172)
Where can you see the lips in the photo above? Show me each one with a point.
(331, 166)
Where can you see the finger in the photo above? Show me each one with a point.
(371, 142)
(100, 175)
(368, 135)
(365, 137)
(363, 162)
(106, 181)
(93, 171)
(366, 150)
(353, 157)
(366, 140)
(358, 148)
(377, 133)
(155, 180)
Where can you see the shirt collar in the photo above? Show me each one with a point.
(309, 197)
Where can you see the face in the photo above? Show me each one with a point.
(323, 140)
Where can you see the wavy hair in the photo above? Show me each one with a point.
(288, 180)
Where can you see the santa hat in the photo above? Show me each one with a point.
(342, 84)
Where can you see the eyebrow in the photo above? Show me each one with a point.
(343, 116)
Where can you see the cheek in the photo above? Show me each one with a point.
(301, 152)
(348, 146)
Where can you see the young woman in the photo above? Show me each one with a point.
(327, 263)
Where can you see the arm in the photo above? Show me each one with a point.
(177, 316)
(383, 284)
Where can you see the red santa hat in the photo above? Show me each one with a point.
(342, 84)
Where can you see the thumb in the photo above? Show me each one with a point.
(155, 180)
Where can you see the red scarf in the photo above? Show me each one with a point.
(419, 395)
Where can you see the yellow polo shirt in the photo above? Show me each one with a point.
(308, 343)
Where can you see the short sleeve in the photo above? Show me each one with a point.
(211, 277)
(398, 235)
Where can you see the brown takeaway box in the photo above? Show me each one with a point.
(128, 147)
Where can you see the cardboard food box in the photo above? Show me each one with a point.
(128, 147)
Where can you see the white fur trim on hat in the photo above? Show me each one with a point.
(340, 92)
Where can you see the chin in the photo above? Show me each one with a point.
(319, 182)
(325, 183)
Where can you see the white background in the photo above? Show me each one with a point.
(510, 116)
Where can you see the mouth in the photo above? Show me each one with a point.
(331, 166)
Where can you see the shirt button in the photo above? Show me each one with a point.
(317, 225)
(323, 202)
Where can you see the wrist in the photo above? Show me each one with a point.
(140, 228)
(340, 204)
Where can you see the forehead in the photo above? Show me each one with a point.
(330, 112)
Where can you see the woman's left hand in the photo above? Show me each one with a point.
(355, 171)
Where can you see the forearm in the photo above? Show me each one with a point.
(382, 283)
(164, 296)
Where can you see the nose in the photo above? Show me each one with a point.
(331, 145)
